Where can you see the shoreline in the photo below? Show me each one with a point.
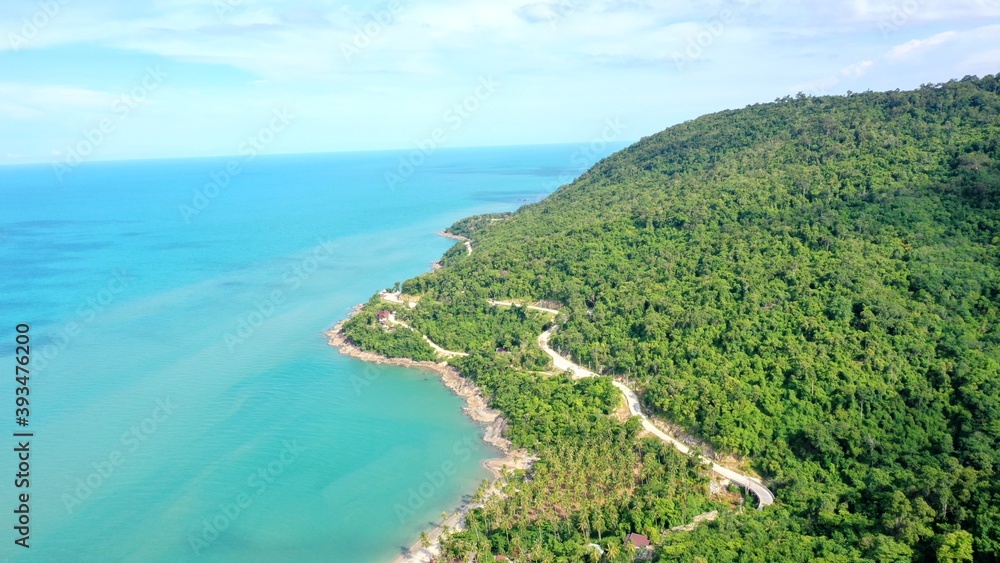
(466, 240)
(476, 408)
(446, 234)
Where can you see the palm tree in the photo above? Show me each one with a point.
(480, 496)
(539, 553)
(492, 513)
(597, 521)
(614, 551)
(583, 524)
(425, 541)
(631, 550)
(504, 521)
(612, 518)
(474, 524)
(553, 519)
(517, 546)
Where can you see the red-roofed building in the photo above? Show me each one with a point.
(643, 550)
(637, 540)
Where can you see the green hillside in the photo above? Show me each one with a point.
(812, 285)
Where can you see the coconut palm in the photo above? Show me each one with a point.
(631, 550)
(583, 523)
(614, 551)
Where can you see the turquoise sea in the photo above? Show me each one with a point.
(184, 403)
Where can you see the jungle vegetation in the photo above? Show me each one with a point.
(811, 284)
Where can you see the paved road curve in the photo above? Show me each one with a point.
(441, 352)
(764, 495)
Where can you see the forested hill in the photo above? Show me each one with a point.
(812, 283)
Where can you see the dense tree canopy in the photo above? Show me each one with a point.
(813, 283)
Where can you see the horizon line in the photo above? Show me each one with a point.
(623, 143)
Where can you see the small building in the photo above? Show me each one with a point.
(383, 317)
(637, 540)
(641, 543)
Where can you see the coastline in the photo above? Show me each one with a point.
(466, 240)
(446, 234)
(476, 408)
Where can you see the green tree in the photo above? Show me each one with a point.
(954, 547)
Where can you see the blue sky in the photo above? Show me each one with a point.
(173, 78)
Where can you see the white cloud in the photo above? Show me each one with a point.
(857, 70)
(538, 12)
(34, 102)
(561, 61)
(917, 45)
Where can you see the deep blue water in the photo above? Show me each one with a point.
(184, 402)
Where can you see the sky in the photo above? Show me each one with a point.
(109, 80)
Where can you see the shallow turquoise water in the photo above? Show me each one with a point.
(184, 402)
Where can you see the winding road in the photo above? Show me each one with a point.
(440, 351)
(764, 495)
(512, 304)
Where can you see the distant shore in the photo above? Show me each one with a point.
(476, 408)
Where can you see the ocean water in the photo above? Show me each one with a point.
(184, 403)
